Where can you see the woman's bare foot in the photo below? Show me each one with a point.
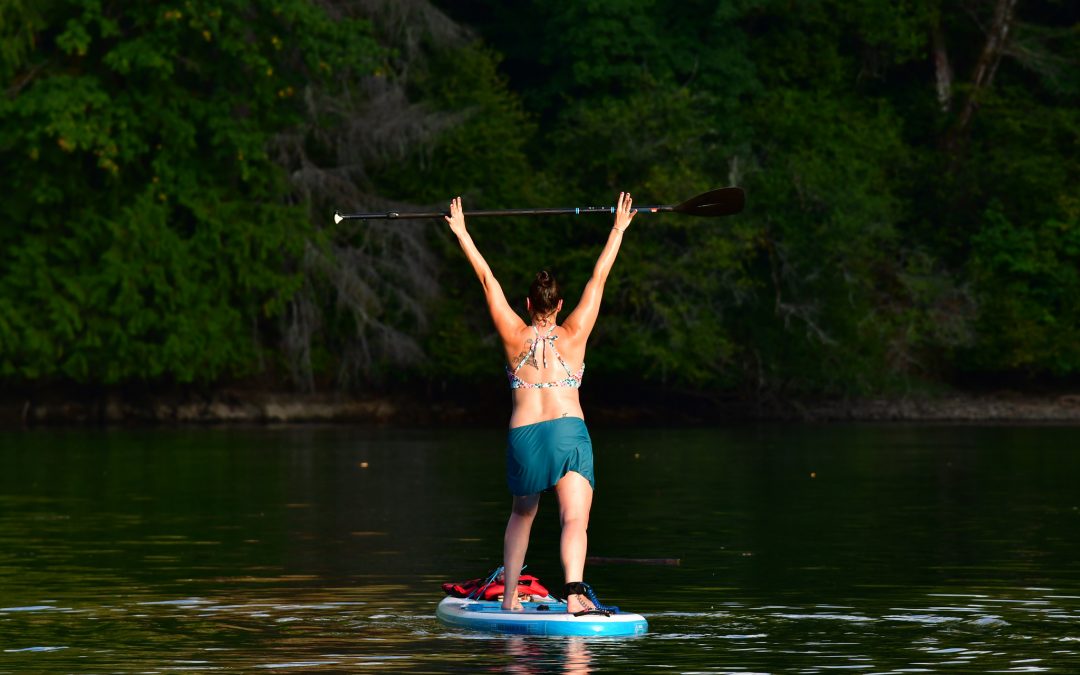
(515, 604)
(580, 599)
(576, 602)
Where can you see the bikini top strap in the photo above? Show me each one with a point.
(558, 355)
(541, 342)
(548, 339)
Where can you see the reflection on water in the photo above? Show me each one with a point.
(304, 632)
(571, 655)
(1034, 630)
(954, 632)
(805, 549)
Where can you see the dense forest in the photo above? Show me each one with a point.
(170, 171)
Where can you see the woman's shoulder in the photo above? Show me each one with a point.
(518, 336)
(568, 337)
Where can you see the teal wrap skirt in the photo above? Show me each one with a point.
(538, 455)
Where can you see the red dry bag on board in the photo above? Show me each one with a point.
(527, 585)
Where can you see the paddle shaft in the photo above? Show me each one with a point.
(393, 215)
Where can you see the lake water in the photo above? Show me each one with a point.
(804, 549)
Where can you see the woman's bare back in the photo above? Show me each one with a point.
(552, 364)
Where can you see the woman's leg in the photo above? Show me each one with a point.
(575, 501)
(515, 543)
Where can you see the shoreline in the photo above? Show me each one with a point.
(228, 407)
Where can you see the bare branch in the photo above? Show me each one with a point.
(943, 73)
(986, 66)
(366, 285)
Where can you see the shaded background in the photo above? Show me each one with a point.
(170, 171)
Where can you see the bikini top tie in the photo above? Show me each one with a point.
(542, 342)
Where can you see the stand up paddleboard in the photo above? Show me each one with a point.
(477, 605)
(541, 616)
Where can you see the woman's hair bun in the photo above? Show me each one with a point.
(544, 294)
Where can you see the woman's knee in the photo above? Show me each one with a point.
(575, 521)
(525, 507)
(575, 500)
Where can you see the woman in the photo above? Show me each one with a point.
(548, 445)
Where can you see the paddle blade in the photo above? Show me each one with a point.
(719, 202)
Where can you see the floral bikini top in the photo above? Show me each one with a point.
(542, 342)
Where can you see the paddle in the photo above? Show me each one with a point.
(719, 202)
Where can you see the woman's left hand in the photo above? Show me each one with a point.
(623, 214)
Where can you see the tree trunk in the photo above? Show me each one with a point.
(985, 68)
(943, 73)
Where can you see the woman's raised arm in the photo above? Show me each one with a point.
(583, 318)
(507, 322)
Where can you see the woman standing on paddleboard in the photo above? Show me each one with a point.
(548, 444)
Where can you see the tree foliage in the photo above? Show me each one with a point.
(870, 176)
(146, 235)
(171, 170)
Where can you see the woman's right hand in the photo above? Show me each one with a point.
(623, 214)
(456, 217)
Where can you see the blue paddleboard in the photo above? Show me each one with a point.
(543, 616)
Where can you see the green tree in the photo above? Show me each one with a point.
(870, 136)
(146, 233)
(1028, 281)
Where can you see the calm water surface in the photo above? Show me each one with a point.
(805, 549)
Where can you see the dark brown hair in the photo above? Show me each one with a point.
(544, 294)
